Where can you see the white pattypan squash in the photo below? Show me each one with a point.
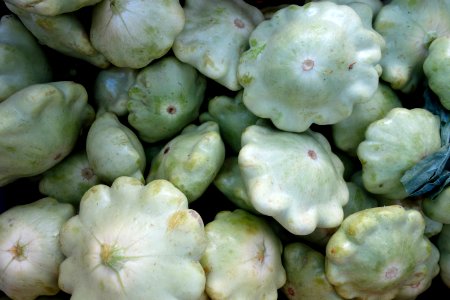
(366, 9)
(393, 145)
(133, 241)
(381, 253)
(293, 177)
(30, 253)
(437, 69)
(242, 259)
(409, 27)
(133, 33)
(432, 227)
(310, 64)
(215, 35)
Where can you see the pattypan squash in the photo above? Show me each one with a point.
(229, 181)
(22, 60)
(366, 9)
(242, 259)
(191, 160)
(437, 69)
(232, 116)
(111, 90)
(114, 150)
(381, 253)
(358, 199)
(438, 208)
(409, 27)
(305, 273)
(39, 126)
(319, 237)
(165, 97)
(132, 33)
(432, 227)
(52, 7)
(69, 179)
(443, 244)
(349, 133)
(293, 177)
(393, 145)
(215, 35)
(310, 64)
(64, 33)
(31, 256)
(133, 241)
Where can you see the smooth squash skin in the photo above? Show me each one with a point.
(310, 64)
(39, 126)
(190, 160)
(52, 7)
(111, 90)
(125, 34)
(293, 177)
(31, 254)
(358, 200)
(70, 179)
(64, 33)
(243, 257)
(230, 182)
(443, 244)
(232, 116)
(437, 69)
(215, 35)
(350, 132)
(366, 9)
(114, 150)
(305, 273)
(409, 27)
(393, 145)
(165, 97)
(22, 59)
(133, 241)
(364, 260)
(432, 227)
(438, 208)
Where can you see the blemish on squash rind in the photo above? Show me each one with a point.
(312, 154)
(239, 23)
(176, 219)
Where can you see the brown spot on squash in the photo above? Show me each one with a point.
(312, 154)
(291, 291)
(176, 219)
(307, 65)
(239, 23)
(87, 173)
